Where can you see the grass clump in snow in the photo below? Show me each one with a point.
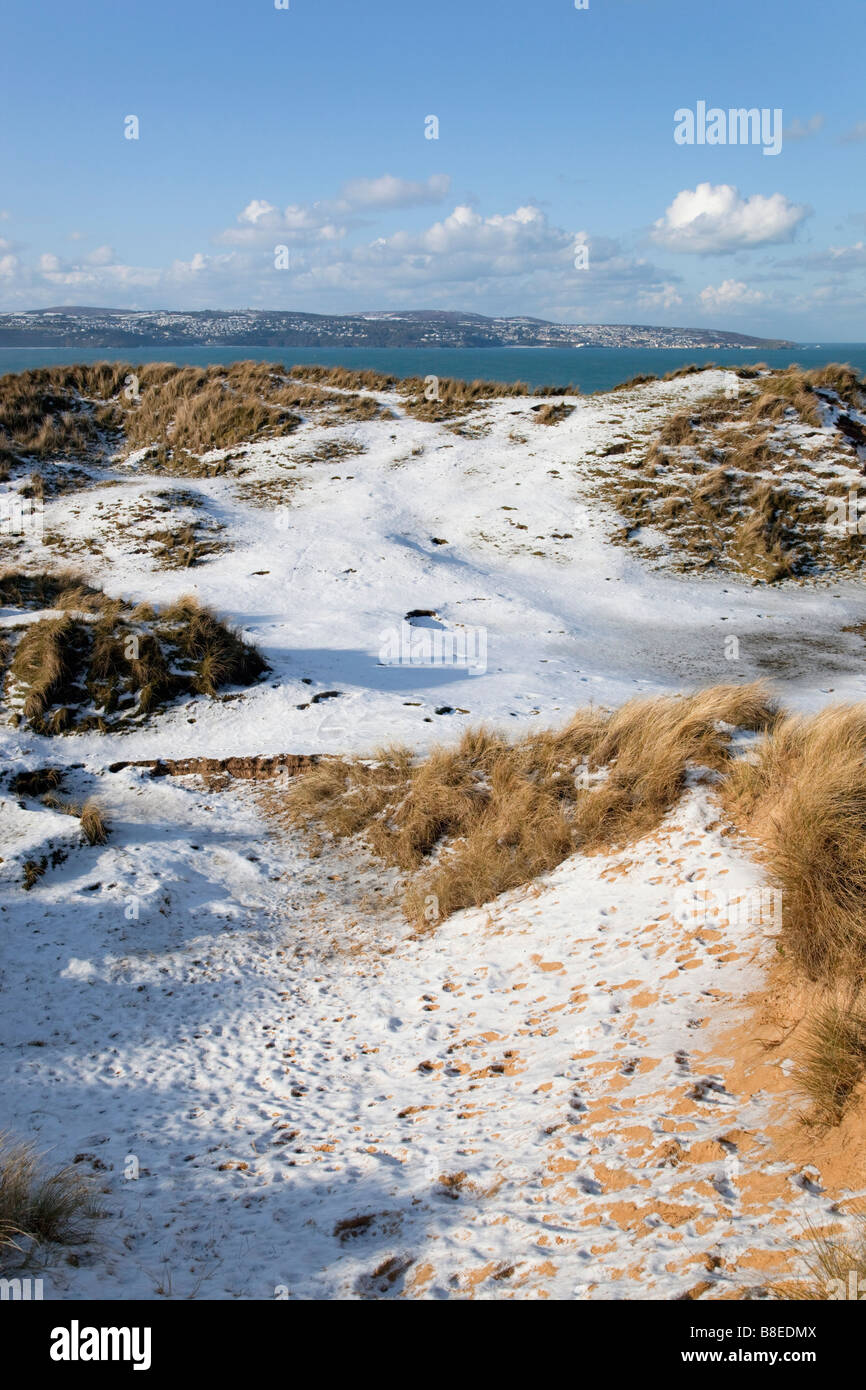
(101, 662)
(453, 398)
(33, 871)
(36, 783)
(187, 545)
(39, 1206)
(62, 589)
(176, 414)
(213, 654)
(803, 796)
(677, 430)
(467, 823)
(43, 414)
(747, 482)
(788, 391)
(188, 411)
(94, 825)
(347, 378)
(44, 664)
(337, 390)
(553, 412)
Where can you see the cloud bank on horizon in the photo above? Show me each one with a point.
(606, 164)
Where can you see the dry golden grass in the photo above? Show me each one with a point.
(842, 378)
(677, 430)
(833, 1060)
(127, 662)
(33, 871)
(766, 543)
(194, 411)
(690, 369)
(94, 825)
(747, 451)
(62, 589)
(836, 1267)
(804, 798)
(179, 413)
(553, 413)
(43, 663)
(786, 391)
(42, 415)
(468, 823)
(643, 379)
(187, 545)
(568, 390)
(37, 782)
(85, 412)
(454, 398)
(38, 1206)
(347, 379)
(217, 655)
(732, 483)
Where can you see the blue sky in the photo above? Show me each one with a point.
(305, 128)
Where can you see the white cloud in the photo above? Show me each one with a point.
(465, 230)
(390, 192)
(102, 255)
(331, 219)
(666, 296)
(729, 295)
(514, 262)
(257, 210)
(848, 257)
(511, 262)
(8, 266)
(263, 224)
(199, 263)
(837, 260)
(715, 218)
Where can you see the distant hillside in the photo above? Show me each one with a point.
(89, 327)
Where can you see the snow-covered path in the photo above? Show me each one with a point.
(528, 1101)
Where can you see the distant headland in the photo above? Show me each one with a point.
(86, 327)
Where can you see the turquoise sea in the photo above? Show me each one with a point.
(592, 369)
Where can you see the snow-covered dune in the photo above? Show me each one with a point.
(282, 1091)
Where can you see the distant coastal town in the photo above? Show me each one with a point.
(85, 327)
